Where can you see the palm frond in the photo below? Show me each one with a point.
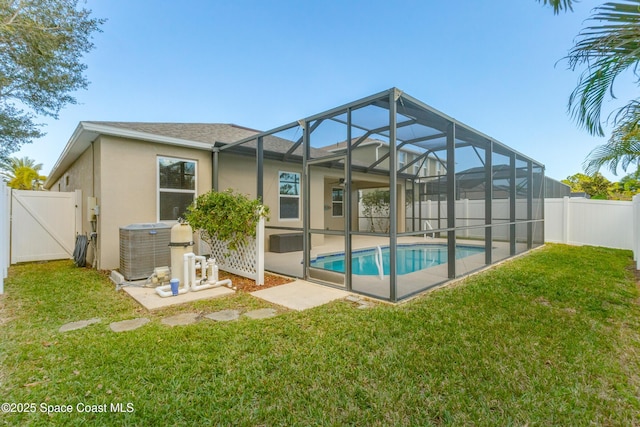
(607, 48)
(558, 5)
(623, 148)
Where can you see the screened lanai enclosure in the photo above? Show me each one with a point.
(386, 196)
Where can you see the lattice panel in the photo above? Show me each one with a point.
(242, 261)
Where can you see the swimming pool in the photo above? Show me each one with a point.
(409, 258)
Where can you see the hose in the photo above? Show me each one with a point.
(80, 251)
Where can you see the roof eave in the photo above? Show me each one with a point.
(87, 132)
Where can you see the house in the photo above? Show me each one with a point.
(136, 173)
(477, 199)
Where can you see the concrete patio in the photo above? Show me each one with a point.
(298, 295)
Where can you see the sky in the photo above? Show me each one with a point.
(496, 66)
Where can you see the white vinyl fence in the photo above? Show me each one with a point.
(580, 221)
(574, 221)
(469, 213)
(44, 224)
(612, 224)
(5, 208)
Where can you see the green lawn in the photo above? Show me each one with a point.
(552, 338)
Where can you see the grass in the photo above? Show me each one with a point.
(552, 338)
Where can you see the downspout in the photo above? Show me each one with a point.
(215, 153)
(94, 225)
(380, 144)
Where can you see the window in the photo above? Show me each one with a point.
(289, 184)
(176, 187)
(438, 168)
(420, 167)
(336, 201)
(402, 159)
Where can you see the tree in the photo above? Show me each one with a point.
(22, 173)
(608, 48)
(596, 186)
(41, 45)
(626, 188)
(375, 207)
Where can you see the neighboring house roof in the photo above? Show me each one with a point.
(343, 145)
(192, 135)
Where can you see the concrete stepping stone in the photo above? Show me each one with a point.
(181, 319)
(128, 325)
(224, 315)
(263, 313)
(353, 298)
(72, 326)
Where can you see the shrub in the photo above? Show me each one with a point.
(225, 216)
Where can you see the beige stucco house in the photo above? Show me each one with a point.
(454, 199)
(150, 173)
(136, 173)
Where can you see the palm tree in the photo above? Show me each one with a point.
(608, 48)
(623, 149)
(22, 173)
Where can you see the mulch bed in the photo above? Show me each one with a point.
(243, 284)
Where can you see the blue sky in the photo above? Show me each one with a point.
(494, 65)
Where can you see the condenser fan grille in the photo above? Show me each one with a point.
(144, 247)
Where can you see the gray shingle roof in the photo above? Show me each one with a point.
(199, 132)
(209, 133)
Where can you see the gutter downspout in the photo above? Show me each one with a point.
(215, 154)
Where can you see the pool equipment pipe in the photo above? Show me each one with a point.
(208, 273)
(191, 281)
(165, 290)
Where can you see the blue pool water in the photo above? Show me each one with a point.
(409, 258)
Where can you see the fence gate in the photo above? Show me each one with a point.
(44, 224)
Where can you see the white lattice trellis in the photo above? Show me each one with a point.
(246, 261)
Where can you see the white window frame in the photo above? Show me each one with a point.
(340, 202)
(173, 190)
(289, 196)
(402, 159)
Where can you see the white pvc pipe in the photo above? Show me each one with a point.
(185, 270)
(203, 268)
(189, 264)
(165, 291)
(210, 285)
(189, 280)
(212, 279)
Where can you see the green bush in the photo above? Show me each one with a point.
(226, 216)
